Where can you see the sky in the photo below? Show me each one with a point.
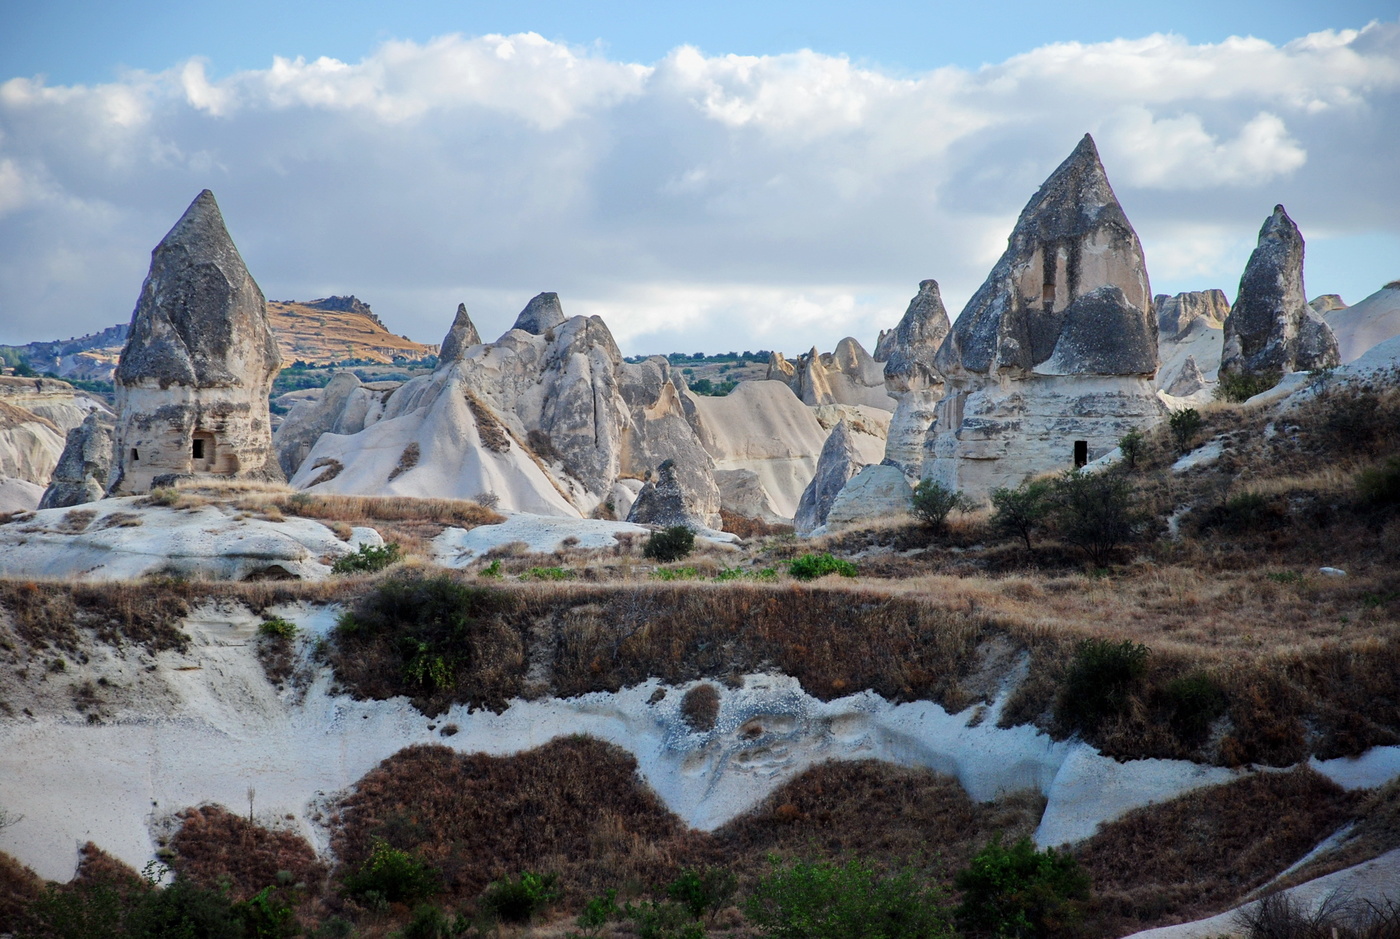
(706, 177)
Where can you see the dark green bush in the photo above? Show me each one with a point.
(1185, 425)
(1095, 512)
(547, 573)
(393, 876)
(1021, 893)
(933, 502)
(1245, 512)
(703, 891)
(597, 913)
(669, 544)
(1099, 682)
(520, 899)
(1023, 510)
(367, 559)
(1133, 445)
(1193, 702)
(277, 628)
(1238, 386)
(1380, 485)
(824, 900)
(430, 922)
(663, 920)
(812, 566)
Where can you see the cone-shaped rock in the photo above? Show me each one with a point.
(1271, 330)
(82, 470)
(541, 314)
(461, 337)
(840, 460)
(911, 377)
(193, 380)
(1050, 362)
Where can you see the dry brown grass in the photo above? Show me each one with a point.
(1202, 852)
(215, 846)
(64, 615)
(321, 337)
(493, 435)
(19, 886)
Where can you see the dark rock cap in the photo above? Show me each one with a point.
(201, 319)
(461, 337)
(839, 461)
(541, 314)
(912, 345)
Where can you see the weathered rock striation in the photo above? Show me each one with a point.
(1176, 314)
(667, 500)
(1051, 360)
(83, 469)
(839, 461)
(1271, 330)
(198, 363)
(911, 377)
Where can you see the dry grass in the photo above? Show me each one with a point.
(493, 435)
(321, 337)
(215, 846)
(407, 461)
(19, 886)
(64, 615)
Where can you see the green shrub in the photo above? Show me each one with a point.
(1099, 682)
(824, 900)
(766, 574)
(520, 899)
(1022, 510)
(267, 915)
(933, 502)
(675, 573)
(1380, 485)
(1239, 386)
(1021, 893)
(663, 920)
(1185, 425)
(1133, 446)
(491, 570)
(392, 876)
(547, 573)
(703, 891)
(1193, 702)
(669, 544)
(812, 566)
(730, 573)
(1245, 512)
(431, 922)
(367, 559)
(597, 913)
(1094, 512)
(277, 628)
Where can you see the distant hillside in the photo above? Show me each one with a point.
(317, 332)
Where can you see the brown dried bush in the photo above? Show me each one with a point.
(19, 886)
(215, 846)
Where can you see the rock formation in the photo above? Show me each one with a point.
(1366, 325)
(1326, 303)
(461, 337)
(911, 378)
(668, 501)
(1051, 360)
(198, 363)
(1176, 314)
(878, 491)
(83, 469)
(540, 315)
(30, 445)
(1187, 380)
(331, 412)
(846, 376)
(1270, 330)
(839, 461)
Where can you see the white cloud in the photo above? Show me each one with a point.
(706, 201)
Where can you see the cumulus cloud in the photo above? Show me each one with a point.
(696, 202)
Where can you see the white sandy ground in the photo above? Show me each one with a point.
(1377, 880)
(121, 539)
(541, 534)
(204, 726)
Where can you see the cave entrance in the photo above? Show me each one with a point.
(202, 451)
(1081, 453)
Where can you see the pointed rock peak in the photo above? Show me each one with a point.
(461, 337)
(930, 286)
(201, 222)
(1278, 227)
(540, 315)
(1072, 197)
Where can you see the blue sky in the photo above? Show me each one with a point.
(705, 176)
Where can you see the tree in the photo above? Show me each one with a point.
(933, 501)
(1132, 445)
(1184, 424)
(1095, 512)
(1022, 510)
(1021, 893)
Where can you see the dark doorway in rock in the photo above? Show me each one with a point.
(202, 451)
(1081, 453)
(135, 457)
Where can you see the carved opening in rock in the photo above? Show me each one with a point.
(202, 452)
(1081, 453)
(135, 457)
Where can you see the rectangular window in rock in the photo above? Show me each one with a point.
(1081, 453)
(202, 451)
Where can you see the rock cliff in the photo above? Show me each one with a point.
(911, 377)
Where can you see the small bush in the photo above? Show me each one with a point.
(1245, 512)
(663, 920)
(1380, 485)
(823, 900)
(1193, 701)
(675, 573)
(1237, 387)
(368, 559)
(703, 891)
(1133, 445)
(1022, 510)
(491, 570)
(812, 566)
(520, 899)
(1020, 893)
(1100, 679)
(700, 707)
(547, 573)
(430, 922)
(933, 502)
(1184, 425)
(597, 913)
(277, 628)
(669, 544)
(393, 876)
(1095, 513)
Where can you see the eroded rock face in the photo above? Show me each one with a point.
(1326, 303)
(328, 413)
(911, 377)
(1271, 330)
(1176, 314)
(82, 470)
(461, 337)
(848, 375)
(839, 461)
(879, 491)
(199, 360)
(30, 445)
(541, 314)
(1051, 360)
(668, 500)
(1188, 379)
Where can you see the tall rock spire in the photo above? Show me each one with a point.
(461, 337)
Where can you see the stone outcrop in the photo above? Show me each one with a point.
(331, 412)
(1052, 359)
(55, 401)
(192, 384)
(1187, 381)
(82, 471)
(839, 461)
(1176, 314)
(461, 337)
(1270, 330)
(879, 491)
(541, 314)
(1326, 303)
(668, 500)
(848, 375)
(1366, 325)
(911, 377)
(30, 445)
